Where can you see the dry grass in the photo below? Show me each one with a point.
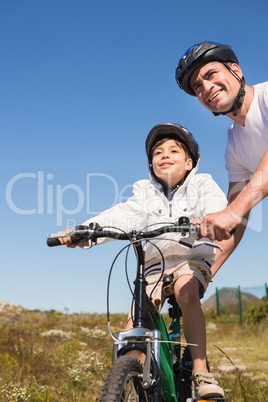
(238, 354)
(51, 356)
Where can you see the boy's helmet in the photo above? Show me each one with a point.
(172, 131)
(197, 55)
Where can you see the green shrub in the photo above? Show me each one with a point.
(256, 312)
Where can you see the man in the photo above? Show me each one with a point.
(211, 72)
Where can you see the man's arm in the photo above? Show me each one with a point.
(219, 225)
(229, 245)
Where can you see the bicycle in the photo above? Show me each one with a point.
(166, 372)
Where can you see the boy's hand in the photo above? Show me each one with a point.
(67, 240)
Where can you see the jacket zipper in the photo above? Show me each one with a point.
(170, 209)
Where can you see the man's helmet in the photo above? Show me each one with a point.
(197, 55)
(172, 131)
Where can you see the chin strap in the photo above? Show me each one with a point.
(240, 97)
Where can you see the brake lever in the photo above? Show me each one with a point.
(198, 243)
(191, 241)
(58, 235)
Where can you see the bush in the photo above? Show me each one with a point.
(256, 312)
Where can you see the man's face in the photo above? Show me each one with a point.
(215, 86)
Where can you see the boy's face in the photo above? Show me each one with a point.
(169, 163)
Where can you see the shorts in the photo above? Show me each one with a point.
(158, 297)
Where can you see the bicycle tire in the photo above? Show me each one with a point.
(124, 382)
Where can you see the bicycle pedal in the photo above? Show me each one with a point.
(205, 400)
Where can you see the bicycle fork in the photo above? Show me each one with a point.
(147, 342)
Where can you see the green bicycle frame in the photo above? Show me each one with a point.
(168, 386)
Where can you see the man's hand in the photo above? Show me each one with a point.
(218, 226)
(67, 240)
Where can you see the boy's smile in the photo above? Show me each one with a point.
(170, 164)
(166, 164)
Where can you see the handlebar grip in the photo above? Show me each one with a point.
(53, 242)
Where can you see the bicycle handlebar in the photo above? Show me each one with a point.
(94, 231)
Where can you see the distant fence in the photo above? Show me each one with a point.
(238, 299)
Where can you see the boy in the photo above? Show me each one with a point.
(173, 191)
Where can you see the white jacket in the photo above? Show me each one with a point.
(198, 196)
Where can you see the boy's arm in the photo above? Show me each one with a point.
(126, 216)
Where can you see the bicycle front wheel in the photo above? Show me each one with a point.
(124, 381)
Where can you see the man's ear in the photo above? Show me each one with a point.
(235, 67)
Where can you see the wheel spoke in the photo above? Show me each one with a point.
(130, 392)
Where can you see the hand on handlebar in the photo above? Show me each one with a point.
(67, 239)
(219, 226)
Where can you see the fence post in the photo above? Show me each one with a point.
(217, 302)
(240, 305)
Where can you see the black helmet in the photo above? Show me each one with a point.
(173, 131)
(197, 55)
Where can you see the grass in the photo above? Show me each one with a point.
(239, 356)
(51, 356)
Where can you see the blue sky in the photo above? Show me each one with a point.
(82, 83)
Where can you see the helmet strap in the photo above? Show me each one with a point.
(240, 97)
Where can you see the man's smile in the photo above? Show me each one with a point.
(214, 95)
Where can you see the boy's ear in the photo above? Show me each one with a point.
(189, 164)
